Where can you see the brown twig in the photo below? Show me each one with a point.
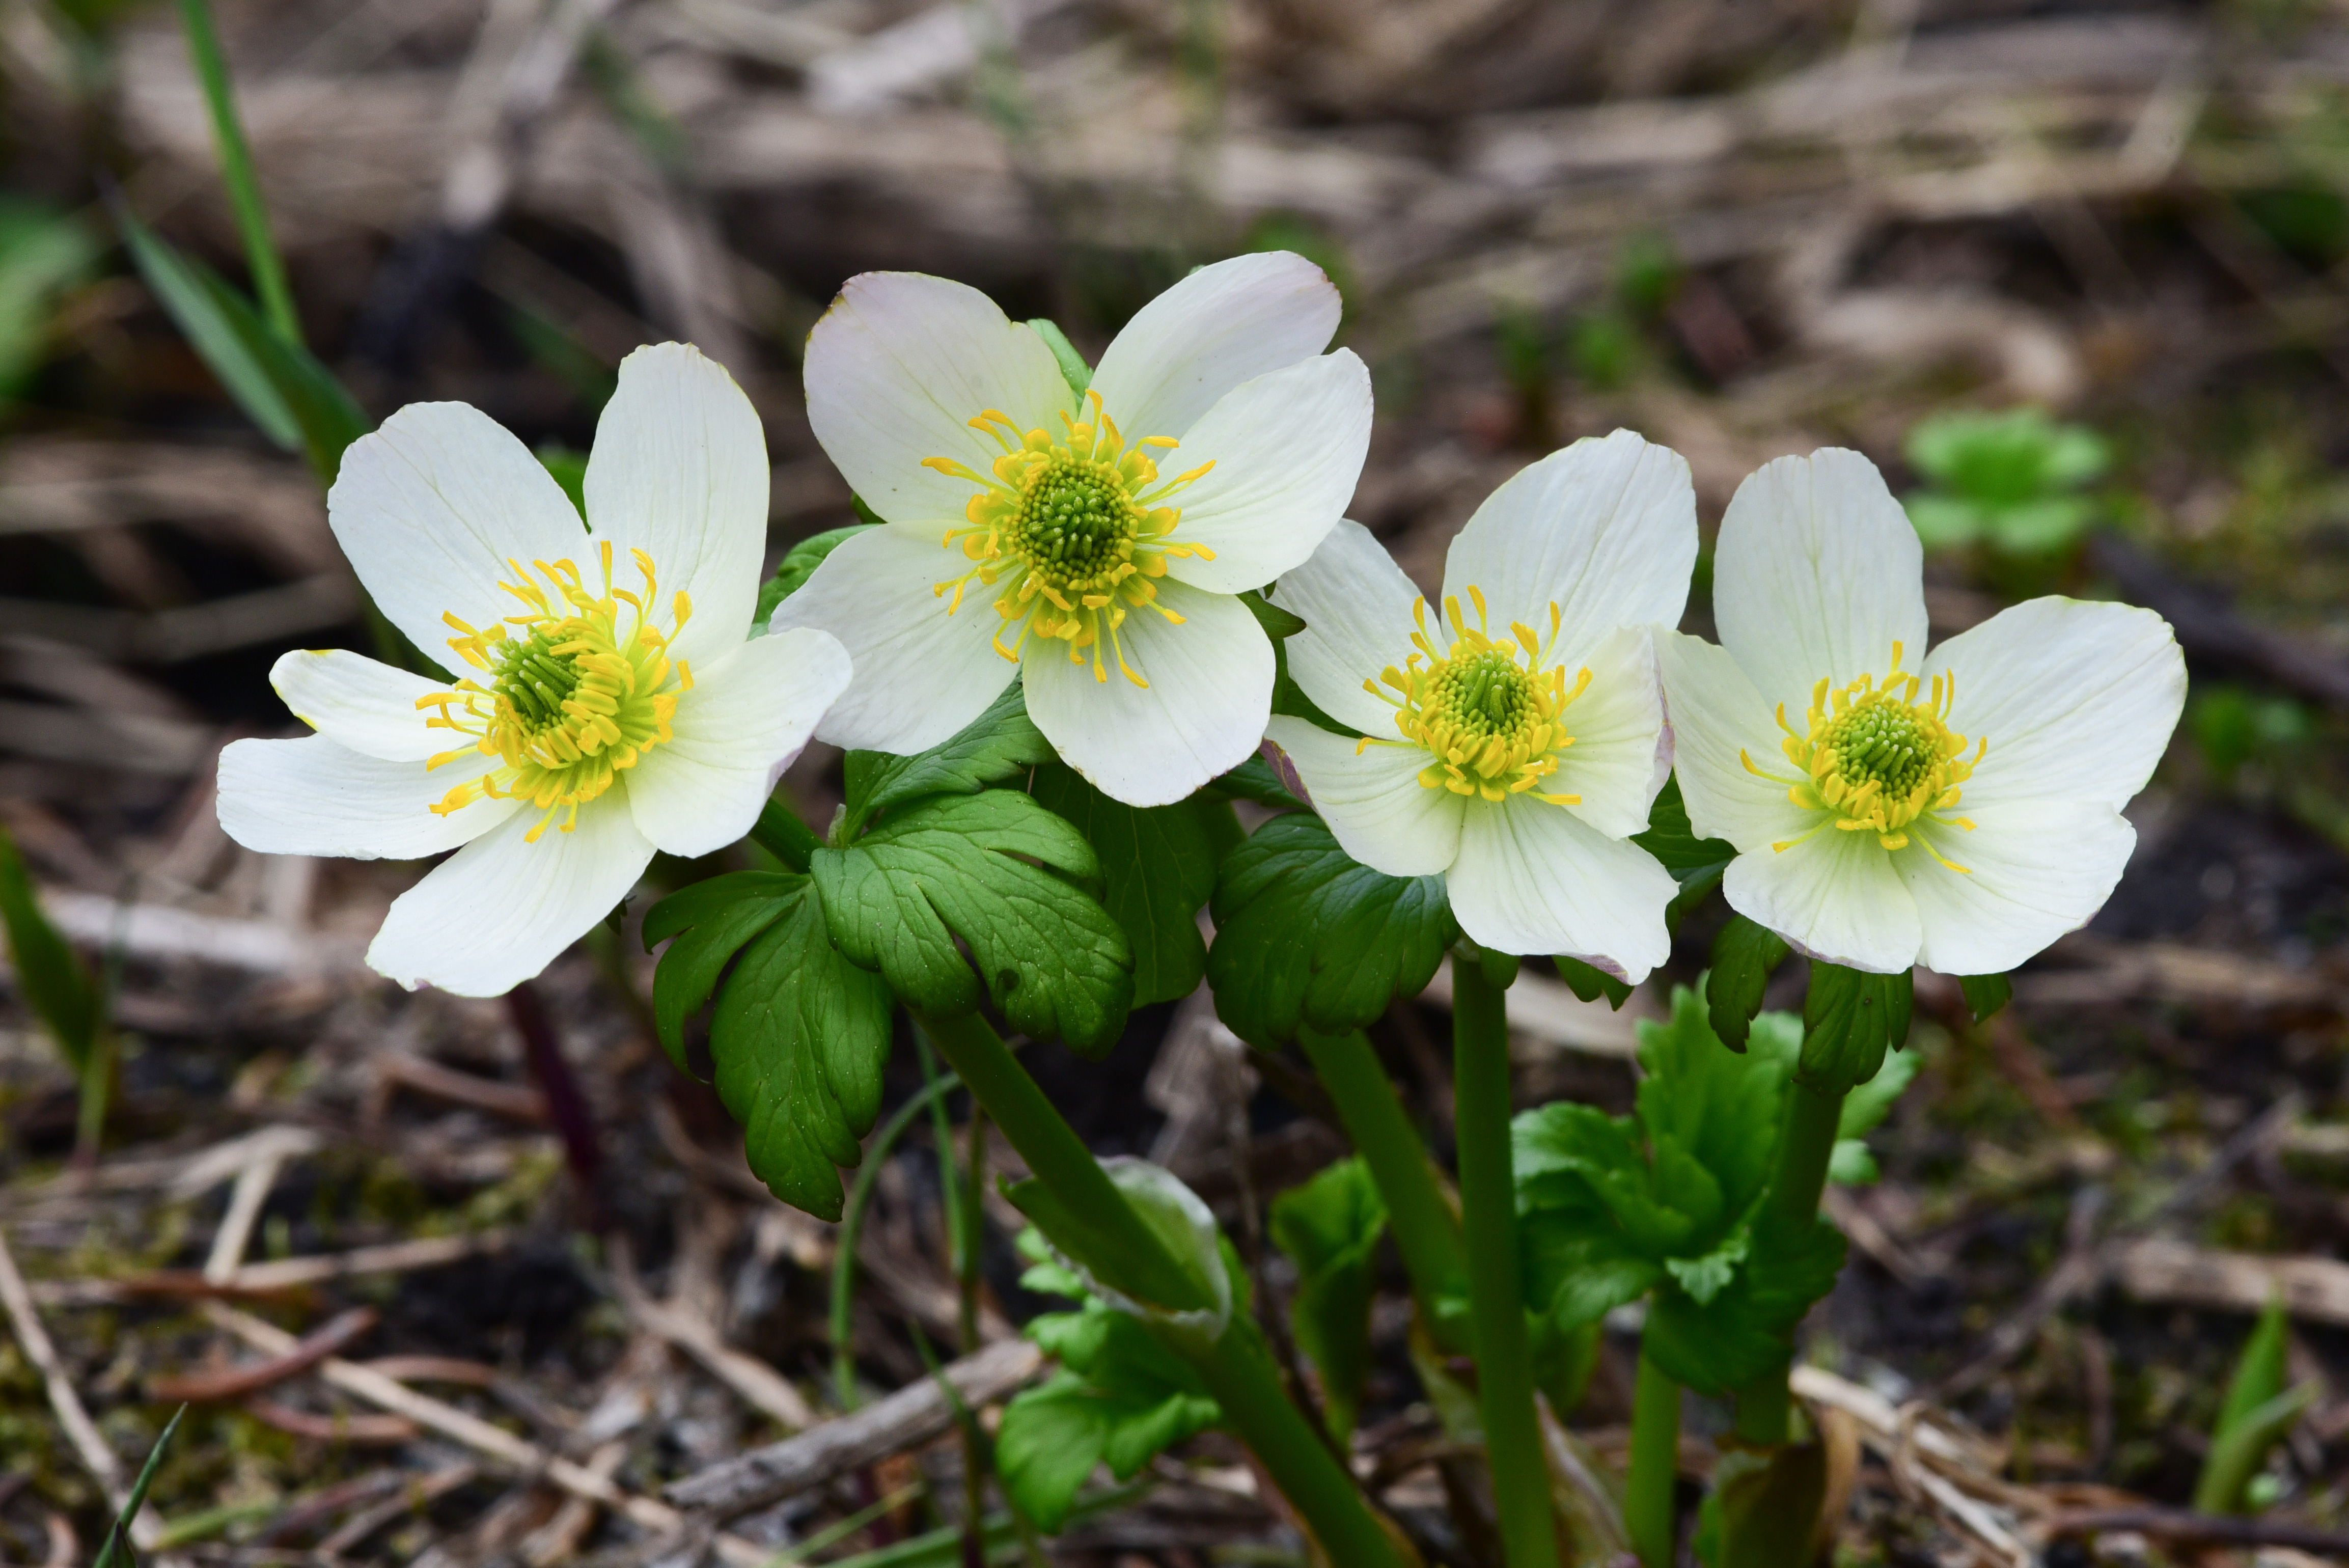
(389, 1430)
(2177, 1524)
(201, 1387)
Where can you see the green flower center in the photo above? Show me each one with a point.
(1076, 525)
(535, 680)
(1874, 759)
(1492, 727)
(1076, 528)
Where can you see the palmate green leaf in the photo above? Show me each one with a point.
(1306, 935)
(1986, 994)
(1850, 1019)
(799, 1040)
(1330, 1227)
(712, 921)
(1577, 1158)
(51, 976)
(800, 1037)
(1743, 956)
(1741, 1333)
(1131, 1399)
(281, 387)
(1719, 1107)
(1158, 867)
(798, 565)
(998, 746)
(992, 870)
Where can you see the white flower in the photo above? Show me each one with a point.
(1959, 809)
(1029, 529)
(614, 697)
(1532, 738)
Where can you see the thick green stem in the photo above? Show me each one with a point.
(1798, 1176)
(779, 832)
(1496, 1311)
(1239, 1369)
(1240, 1373)
(1648, 1501)
(1060, 1159)
(236, 168)
(1426, 1229)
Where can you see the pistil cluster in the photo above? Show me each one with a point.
(1875, 759)
(571, 698)
(1491, 726)
(1077, 530)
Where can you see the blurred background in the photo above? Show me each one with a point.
(2076, 276)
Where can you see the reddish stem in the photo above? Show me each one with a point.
(566, 1102)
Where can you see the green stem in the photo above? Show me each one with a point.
(236, 170)
(1060, 1159)
(1426, 1229)
(1240, 1373)
(1647, 1500)
(1237, 1369)
(852, 1222)
(1799, 1175)
(779, 832)
(1496, 1312)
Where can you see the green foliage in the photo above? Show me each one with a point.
(50, 975)
(1666, 1199)
(2231, 726)
(569, 470)
(282, 388)
(1329, 1227)
(1985, 994)
(1120, 1399)
(2260, 1411)
(1696, 864)
(1073, 369)
(999, 746)
(1255, 779)
(798, 565)
(1306, 935)
(1589, 983)
(1850, 1019)
(115, 1551)
(42, 252)
(1157, 866)
(994, 870)
(1602, 347)
(1743, 957)
(1178, 1227)
(2003, 479)
(799, 1036)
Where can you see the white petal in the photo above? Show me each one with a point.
(2076, 699)
(1817, 574)
(747, 717)
(920, 674)
(501, 910)
(679, 471)
(1605, 530)
(1715, 714)
(360, 703)
(1531, 879)
(313, 796)
(896, 371)
(1356, 606)
(1202, 713)
(1835, 896)
(1621, 756)
(1287, 448)
(430, 509)
(2034, 872)
(1372, 799)
(1223, 325)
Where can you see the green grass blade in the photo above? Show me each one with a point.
(116, 1552)
(236, 168)
(51, 976)
(852, 1221)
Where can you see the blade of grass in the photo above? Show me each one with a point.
(116, 1552)
(236, 170)
(53, 981)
